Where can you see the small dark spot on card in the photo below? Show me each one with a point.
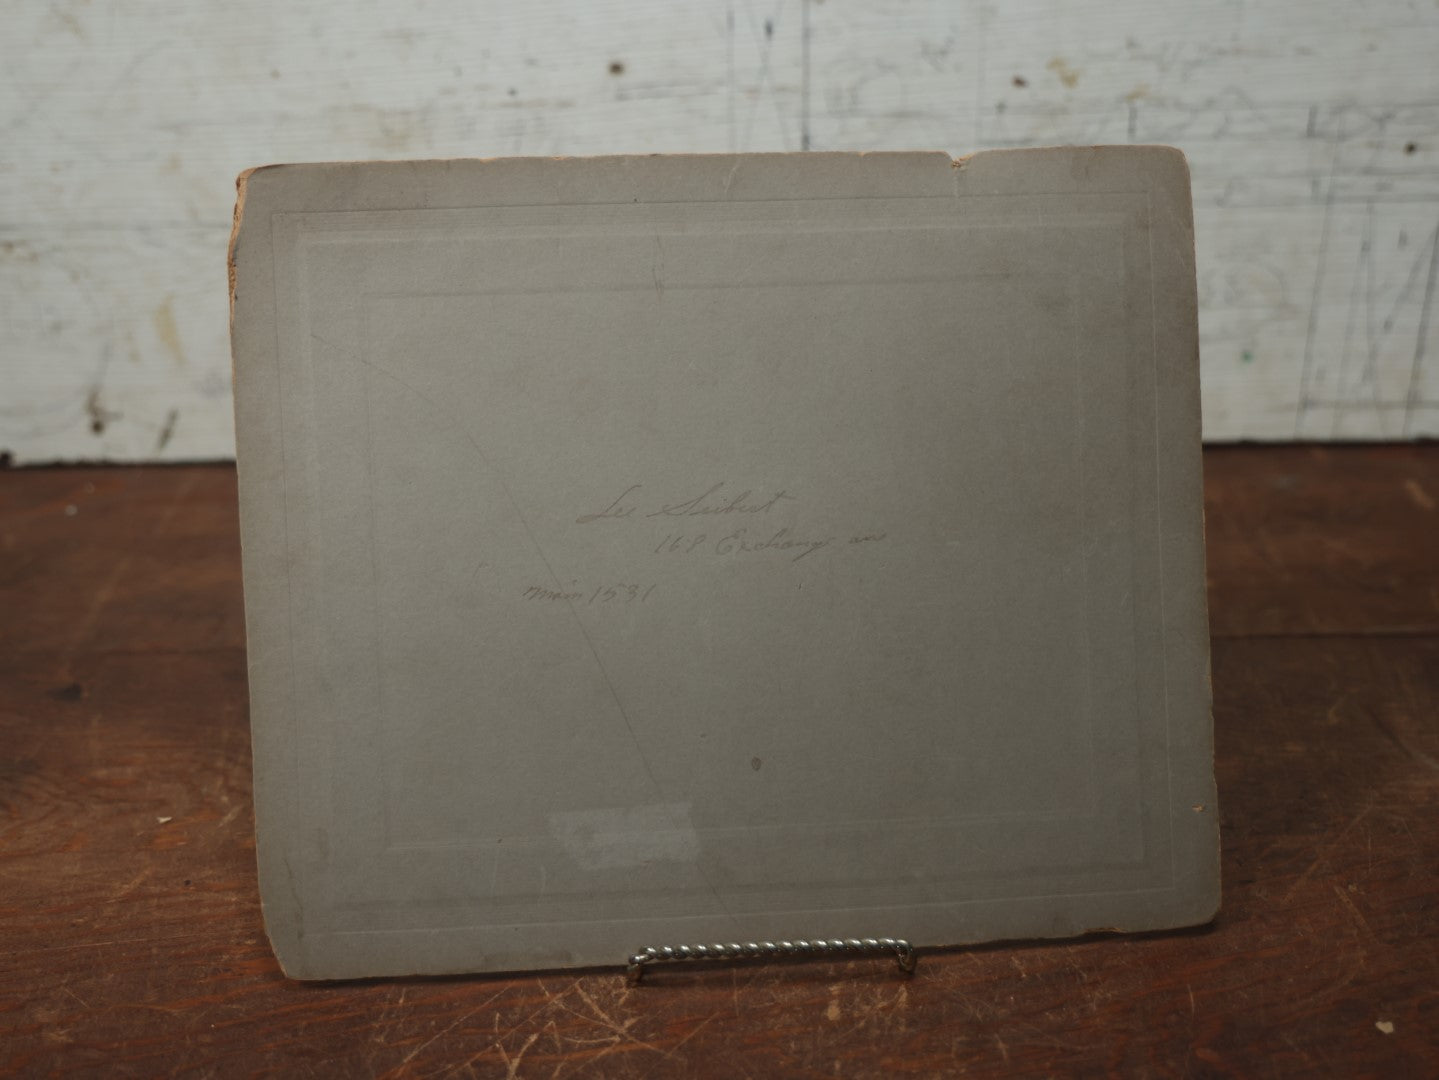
(755, 763)
(1411, 147)
(617, 67)
(69, 692)
(1020, 81)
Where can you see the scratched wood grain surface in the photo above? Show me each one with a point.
(1312, 130)
(130, 934)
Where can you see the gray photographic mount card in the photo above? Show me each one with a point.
(670, 550)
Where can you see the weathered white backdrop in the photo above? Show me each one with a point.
(1312, 128)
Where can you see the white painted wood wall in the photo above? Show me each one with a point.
(1312, 128)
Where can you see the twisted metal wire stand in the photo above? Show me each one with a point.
(815, 948)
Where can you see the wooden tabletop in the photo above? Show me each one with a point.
(130, 932)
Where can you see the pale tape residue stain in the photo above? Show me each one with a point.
(627, 837)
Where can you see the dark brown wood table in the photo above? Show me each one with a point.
(130, 933)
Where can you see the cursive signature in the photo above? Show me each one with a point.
(712, 501)
(616, 509)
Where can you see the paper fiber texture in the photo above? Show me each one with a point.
(660, 550)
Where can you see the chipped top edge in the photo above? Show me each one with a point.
(956, 161)
(959, 163)
(240, 183)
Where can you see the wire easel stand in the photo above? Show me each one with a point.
(816, 948)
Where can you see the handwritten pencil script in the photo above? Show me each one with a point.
(714, 500)
(736, 520)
